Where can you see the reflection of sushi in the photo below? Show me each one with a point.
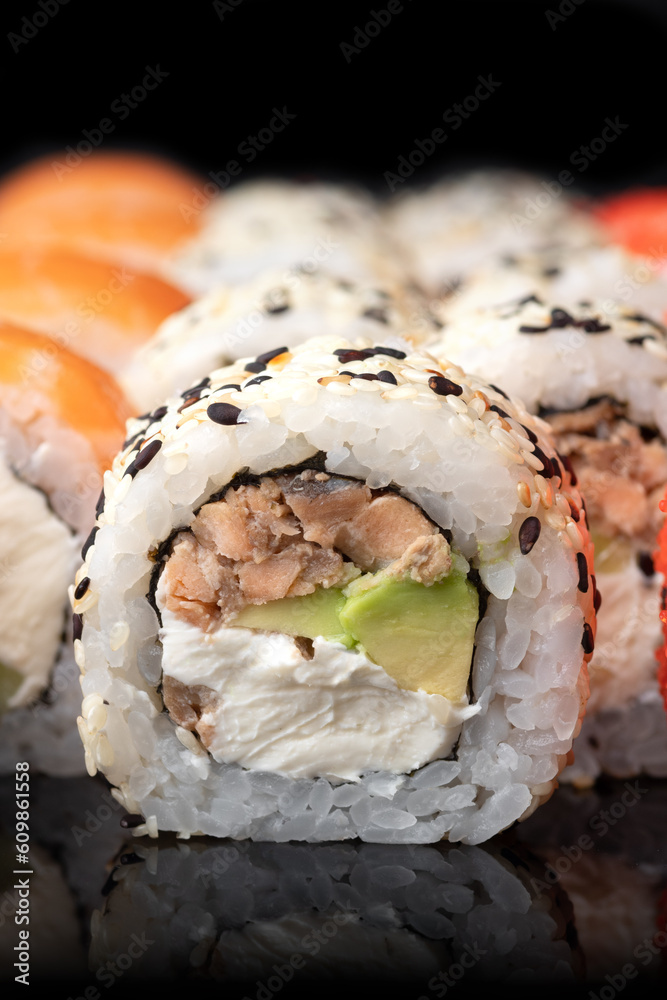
(60, 421)
(597, 374)
(243, 912)
(328, 536)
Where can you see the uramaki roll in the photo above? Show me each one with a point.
(343, 591)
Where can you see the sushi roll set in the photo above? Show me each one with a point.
(397, 463)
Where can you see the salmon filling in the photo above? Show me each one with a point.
(271, 546)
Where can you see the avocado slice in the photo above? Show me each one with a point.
(10, 682)
(311, 616)
(422, 636)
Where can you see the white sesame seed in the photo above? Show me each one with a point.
(79, 654)
(97, 718)
(189, 741)
(364, 385)
(531, 459)
(88, 601)
(400, 392)
(122, 489)
(575, 536)
(119, 633)
(89, 702)
(102, 750)
(555, 519)
(90, 763)
(456, 404)
(339, 389)
(502, 437)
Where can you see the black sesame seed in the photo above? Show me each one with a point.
(230, 385)
(587, 640)
(130, 859)
(597, 596)
(188, 402)
(385, 376)
(264, 359)
(255, 367)
(533, 329)
(565, 459)
(196, 390)
(99, 506)
(88, 542)
(546, 462)
(582, 566)
(638, 341)
(531, 435)
(529, 532)
(273, 309)
(501, 413)
(368, 376)
(130, 820)
(345, 356)
(257, 381)
(224, 413)
(551, 272)
(390, 352)
(110, 883)
(593, 326)
(556, 469)
(82, 588)
(77, 626)
(346, 373)
(146, 455)
(574, 511)
(645, 563)
(443, 386)
(379, 315)
(560, 318)
(500, 391)
(159, 413)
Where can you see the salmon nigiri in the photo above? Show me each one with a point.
(124, 207)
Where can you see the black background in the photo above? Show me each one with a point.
(561, 75)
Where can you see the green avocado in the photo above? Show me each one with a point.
(311, 616)
(422, 636)
(10, 682)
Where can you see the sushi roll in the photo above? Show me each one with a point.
(61, 420)
(597, 374)
(459, 223)
(340, 592)
(560, 274)
(280, 224)
(258, 316)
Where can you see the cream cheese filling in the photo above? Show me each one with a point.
(334, 716)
